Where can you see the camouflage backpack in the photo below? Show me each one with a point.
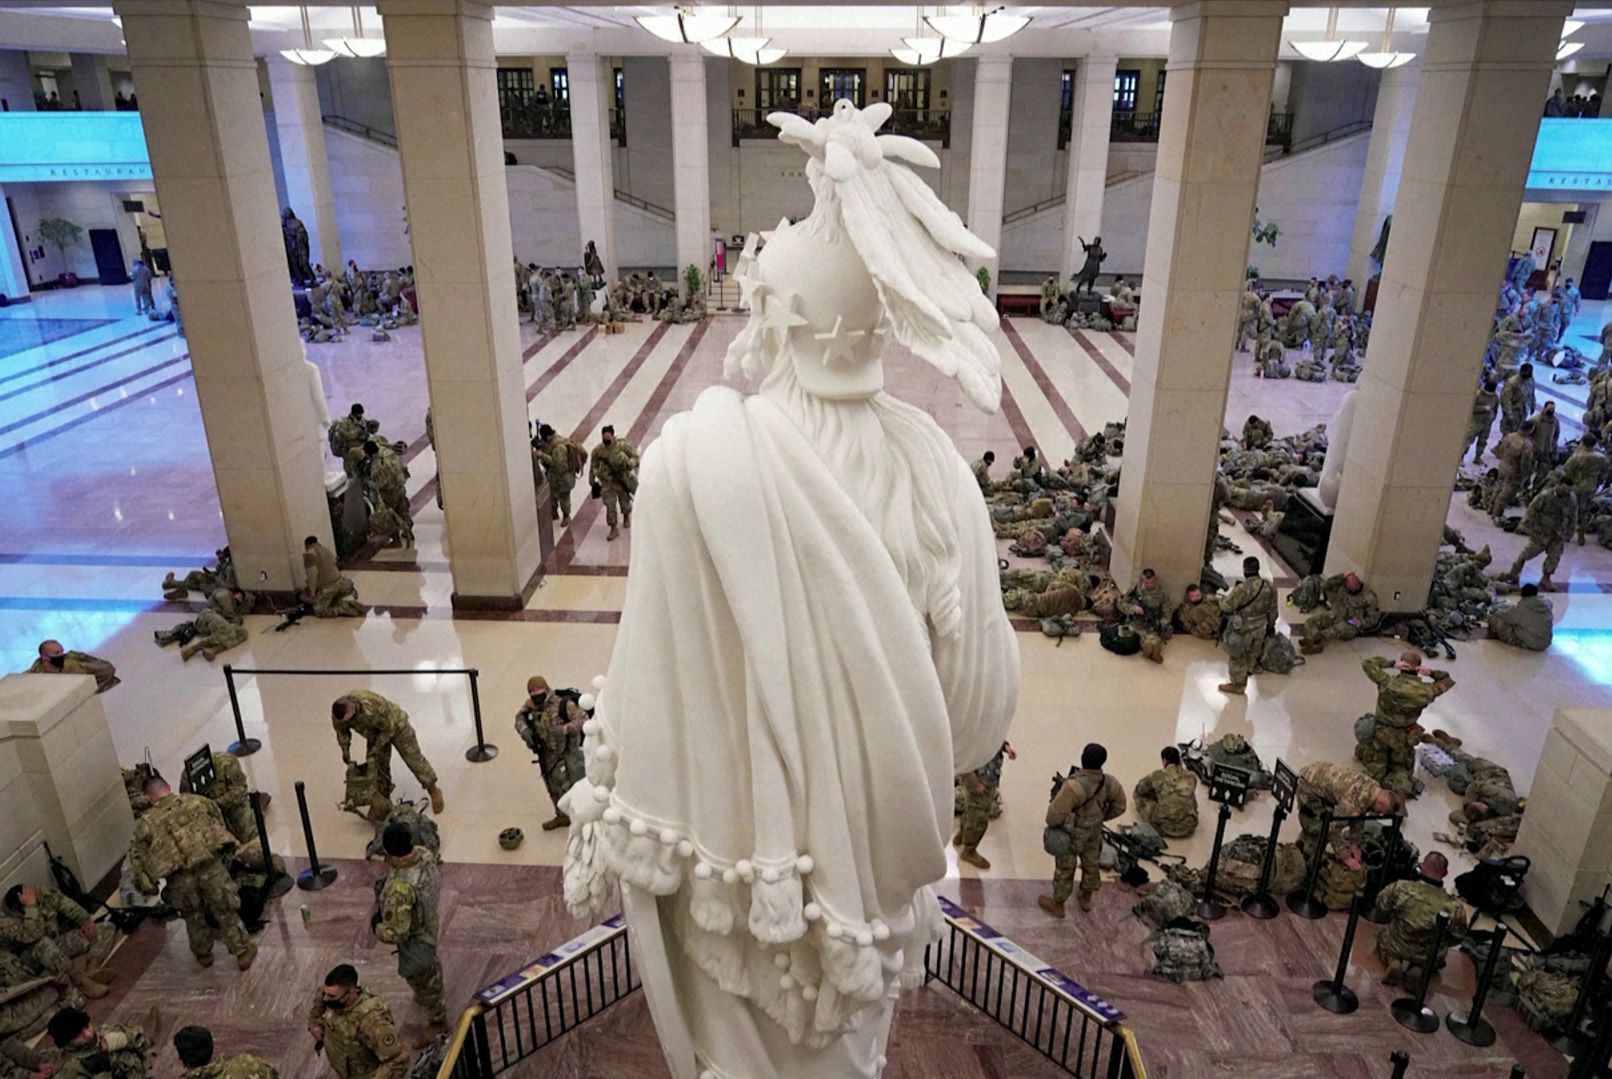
(412, 814)
(1279, 656)
(1184, 954)
(1166, 902)
(1306, 595)
(1545, 1000)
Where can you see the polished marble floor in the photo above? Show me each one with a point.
(104, 469)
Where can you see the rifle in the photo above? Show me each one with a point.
(293, 615)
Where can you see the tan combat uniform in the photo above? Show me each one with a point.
(409, 898)
(330, 594)
(183, 838)
(1168, 800)
(242, 1066)
(1084, 801)
(383, 726)
(361, 1041)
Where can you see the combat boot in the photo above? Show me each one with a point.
(972, 857)
(205, 960)
(1547, 585)
(614, 532)
(1233, 687)
(560, 820)
(1511, 574)
(187, 651)
(92, 989)
(1085, 899)
(1051, 906)
(244, 960)
(626, 519)
(436, 798)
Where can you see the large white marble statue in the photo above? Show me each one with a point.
(812, 646)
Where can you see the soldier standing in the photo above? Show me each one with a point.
(1517, 399)
(551, 726)
(584, 287)
(182, 838)
(1552, 517)
(1587, 470)
(388, 478)
(349, 432)
(1402, 695)
(1514, 458)
(980, 791)
(383, 726)
(1049, 294)
(562, 461)
(1083, 802)
(195, 1048)
(613, 472)
(1168, 798)
(354, 1028)
(1482, 421)
(1413, 907)
(111, 1052)
(1250, 610)
(407, 919)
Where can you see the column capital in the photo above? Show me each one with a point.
(1229, 9)
(211, 9)
(1447, 10)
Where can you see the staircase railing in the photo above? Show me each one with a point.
(523, 1012)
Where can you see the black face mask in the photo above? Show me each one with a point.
(334, 1005)
(539, 698)
(57, 661)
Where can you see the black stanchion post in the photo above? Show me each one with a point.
(316, 876)
(1412, 1013)
(1304, 903)
(1262, 904)
(1333, 995)
(1573, 1040)
(483, 751)
(278, 883)
(1390, 846)
(1400, 1060)
(1209, 908)
(1517, 1072)
(1591, 1064)
(1470, 1026)
(244, 746)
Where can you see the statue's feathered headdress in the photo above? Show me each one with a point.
(907, 238)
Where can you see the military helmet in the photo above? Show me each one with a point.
(535, 683)
(510, 838)
(1234, 743)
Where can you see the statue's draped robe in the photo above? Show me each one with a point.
(781, 727)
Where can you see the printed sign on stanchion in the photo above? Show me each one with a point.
(1229, 784)
(1284, 785)
(199, 771)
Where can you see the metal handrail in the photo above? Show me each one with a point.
(363, 131)
(1342, 131)
(461, 1032)
(928, 125)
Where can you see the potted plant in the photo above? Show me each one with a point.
(692, 280)
(62, 233)
(984, 277)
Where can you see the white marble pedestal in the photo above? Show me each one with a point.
(59, 781)
(1567, 829)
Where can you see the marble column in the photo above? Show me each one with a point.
(1211, 142)
(1486, 67)
(445, 98)
(93, 82)
(13, 271)
(197, 79)
(1093, 113)
(691, 164)
(592, 92)
(1385, 158)
(302, 157)
(987, 163)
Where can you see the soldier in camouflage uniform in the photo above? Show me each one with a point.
(1389, 756)
(1082, 804)
(1147, 610)
(384, 726)
(1478, 427)
(18, 1061)
(348, 433)
(1168, 798)
(1198, 615)
(1413, 906)
(1587, 469)
(1551, 519)
(1350, 609)
(981, 789)
(329, 593)
(1250, 610)
(551, 726)
(218, 627)
(408, 899)
(387, 478)
(195, 1048)
(1514, 457)
(1248, 314)
(355, 1030)
(110, 1052)
(53, 935)
(613, 473)
(562, 462)
(982, 473)
(182, 838)
(231, 794)
(1517, 399)
(1347, 792)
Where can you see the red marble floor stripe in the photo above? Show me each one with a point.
(1101, 361)
(81, 398)
(1060, 407)
(48, 379)
(1015, 418)
(602, 405)
(10, 451)
(1126, 342)
(426, 493)
(565, 548)
(592, 571)
(542, 381)
(71, 356)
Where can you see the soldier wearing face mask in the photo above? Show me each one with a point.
(354, 1029)
(53, 659)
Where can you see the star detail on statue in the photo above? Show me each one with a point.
(783, 223)
(778, 316)
(839, 344)
(750, 286)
